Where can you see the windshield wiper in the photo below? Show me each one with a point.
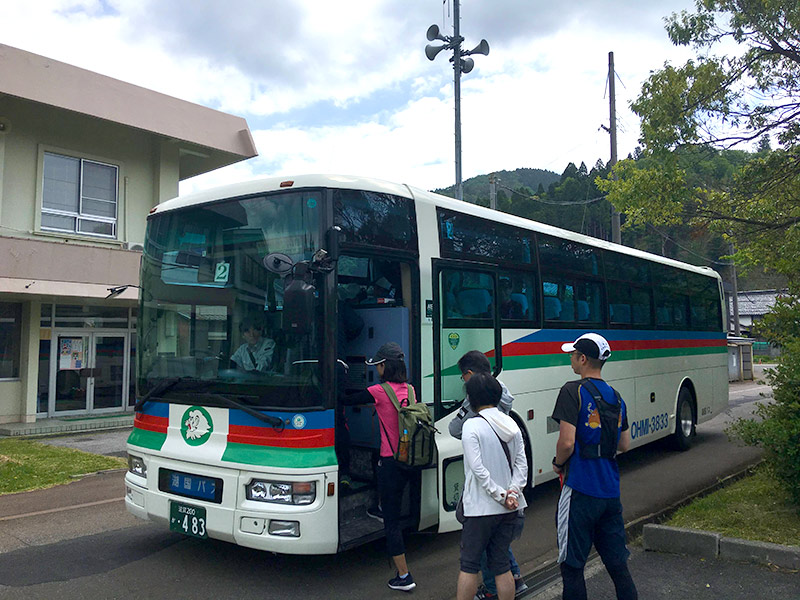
(269, 419)
(159, 389)
(168, 384)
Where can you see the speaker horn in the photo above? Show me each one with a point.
(433, 33)
(432, 51)
(467, 64)
(482, 48)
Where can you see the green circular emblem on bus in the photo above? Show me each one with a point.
(454, 338)
(196, 425)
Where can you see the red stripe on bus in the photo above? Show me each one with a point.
(540, 348)
(288, 438)
(151, 423)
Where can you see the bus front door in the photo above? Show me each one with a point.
(466, 318)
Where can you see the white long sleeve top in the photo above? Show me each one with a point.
(487, 476)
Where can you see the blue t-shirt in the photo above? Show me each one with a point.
(598, 477)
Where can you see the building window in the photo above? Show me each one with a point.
(10, 331)
(79, 196)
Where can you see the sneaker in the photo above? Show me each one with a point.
(484, 594)
(376, 513)
(404, 584)
(520, 584)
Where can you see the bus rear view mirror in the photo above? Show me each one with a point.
(299, 297)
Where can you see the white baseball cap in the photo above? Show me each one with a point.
(592, 345)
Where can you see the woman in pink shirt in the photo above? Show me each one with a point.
(389, 361)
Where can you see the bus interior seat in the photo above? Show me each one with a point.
(567, 311)
(620, 313)
(552, 308)
(583, 310)
(451, 304)
(474, 302)
(641, 314)
(522, 300)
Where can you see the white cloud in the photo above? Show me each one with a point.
(345, 86)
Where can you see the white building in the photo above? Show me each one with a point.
(83, 159)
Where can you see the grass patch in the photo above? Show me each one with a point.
(28, 465)
(753, 508)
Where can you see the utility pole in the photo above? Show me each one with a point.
(616, 236)
(737, 329)
(493, 191)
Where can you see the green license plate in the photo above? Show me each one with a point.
(188, 519)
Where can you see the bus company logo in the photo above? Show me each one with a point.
(196, 425)
(454, 339)
(298, 421)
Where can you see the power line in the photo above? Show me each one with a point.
(679, 245)
(551, 202)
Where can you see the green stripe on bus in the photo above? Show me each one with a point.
(147, 439)
(267, 456)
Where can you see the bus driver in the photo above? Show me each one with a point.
(256, 352)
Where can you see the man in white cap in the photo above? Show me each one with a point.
(593, 429)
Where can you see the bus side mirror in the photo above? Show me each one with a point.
(299, 297)
(332, 241)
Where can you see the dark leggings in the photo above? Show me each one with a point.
(575, 585)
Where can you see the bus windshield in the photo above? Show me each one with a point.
(211, 316)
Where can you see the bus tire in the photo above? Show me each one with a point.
(685, 421)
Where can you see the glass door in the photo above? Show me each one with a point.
(72, 361)
(108, 382)
(88, 373)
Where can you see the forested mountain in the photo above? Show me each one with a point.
(476, 189)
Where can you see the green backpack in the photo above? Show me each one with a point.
(416, 449)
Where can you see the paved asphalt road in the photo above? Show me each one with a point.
(77, 541)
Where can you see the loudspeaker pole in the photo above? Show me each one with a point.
(616, 236)
(461, 64)
(457, 89)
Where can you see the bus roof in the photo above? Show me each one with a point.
(274, 184)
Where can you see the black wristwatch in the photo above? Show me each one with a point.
(556, 465)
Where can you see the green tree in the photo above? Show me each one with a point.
(724, 100)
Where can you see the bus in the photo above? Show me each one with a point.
(249, 455)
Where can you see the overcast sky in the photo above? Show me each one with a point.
(343, 86)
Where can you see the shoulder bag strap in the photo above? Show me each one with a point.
(592, 389)
(502, 444)
(393, 397)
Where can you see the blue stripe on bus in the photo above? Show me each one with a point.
(318, 419)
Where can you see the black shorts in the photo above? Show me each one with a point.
(584, 520)
(492, 533)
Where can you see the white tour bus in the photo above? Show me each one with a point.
(249, 456)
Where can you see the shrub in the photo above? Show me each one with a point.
(778, 431)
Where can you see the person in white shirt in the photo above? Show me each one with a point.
(496, 471)
(255, 354)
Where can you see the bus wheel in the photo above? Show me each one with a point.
(685, 421)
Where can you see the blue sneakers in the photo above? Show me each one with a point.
(404, 584)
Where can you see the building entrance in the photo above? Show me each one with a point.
(89, 372)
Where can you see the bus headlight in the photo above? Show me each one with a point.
(282, 492)
(136, 466)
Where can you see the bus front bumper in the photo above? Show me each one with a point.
(286, 529)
